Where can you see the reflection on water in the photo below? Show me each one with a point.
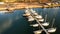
(15, 23)
(6, 24)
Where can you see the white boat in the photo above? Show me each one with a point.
(33, 11)
(38, 16)
(45, 24)
(38, 32)
(51, 30)
(35, 14)
(27, 11)
(35, 25)
(30, 18)
(4, 11)
(27, 14)
(41, 20)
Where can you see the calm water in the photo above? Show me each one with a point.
(15, 23)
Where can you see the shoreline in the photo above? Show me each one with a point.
(13, 6)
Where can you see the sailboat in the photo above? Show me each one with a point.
(39, 19)
(34, 12)
(45, 23)
(27, 13)
(38, 16)
(52, 29)
(35, 25)
(38, 32)
(30, 18)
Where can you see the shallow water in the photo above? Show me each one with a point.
(17, 24)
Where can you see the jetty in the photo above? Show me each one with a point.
(32, 15)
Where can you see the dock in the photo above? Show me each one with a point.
(39, 23)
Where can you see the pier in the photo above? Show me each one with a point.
(39, 23)
(32, 15)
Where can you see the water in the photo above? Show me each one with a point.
(15, 23)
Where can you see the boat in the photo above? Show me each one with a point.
(27, 13)
(40, 20)
(38, 32)
(38, 16)
(34, 12)
(30, 18)
(35, 25)
(45, 24)
(5, 11)
(51, 30)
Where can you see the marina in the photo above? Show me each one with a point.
(22, 26)
(39, 22)
(29, 17)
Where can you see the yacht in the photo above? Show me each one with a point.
(45, 24)
(34, 12)
(38, 16)
(5, 11)
(30, 18)
(51, 30)
(35, 25)
(38, 32)
(27, 13)
(40, 20)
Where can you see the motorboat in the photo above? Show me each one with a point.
(51, 30)
(38, 32)
(35, 25)
(30, 18)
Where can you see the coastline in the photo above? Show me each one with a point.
(13, 6)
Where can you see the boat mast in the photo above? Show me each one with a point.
(53, 22)
(45, 17)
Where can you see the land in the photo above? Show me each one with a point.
(19, 5)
